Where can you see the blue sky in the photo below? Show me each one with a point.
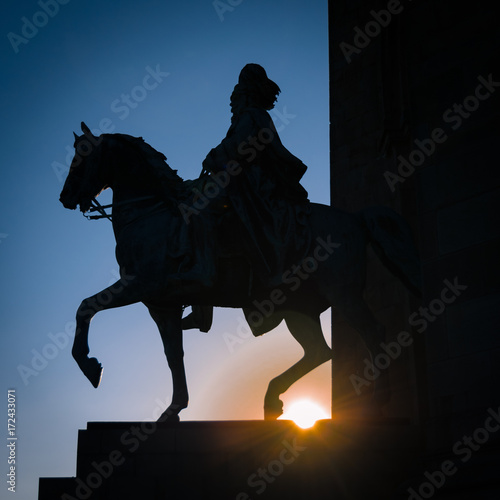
(81, 64)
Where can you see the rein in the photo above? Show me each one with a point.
(95, 206)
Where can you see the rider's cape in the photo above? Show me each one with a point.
(265, 192)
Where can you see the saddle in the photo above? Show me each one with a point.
(221, 237)
(208, 200)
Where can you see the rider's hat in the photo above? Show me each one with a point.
(253, 81)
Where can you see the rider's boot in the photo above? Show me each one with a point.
(201, 318)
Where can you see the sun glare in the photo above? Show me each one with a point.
(304, 413)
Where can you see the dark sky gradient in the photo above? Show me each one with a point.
(80, 65)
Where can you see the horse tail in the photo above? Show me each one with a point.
(393, 243)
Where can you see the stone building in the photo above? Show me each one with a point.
(415, 100)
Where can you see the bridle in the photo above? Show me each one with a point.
(95, 206)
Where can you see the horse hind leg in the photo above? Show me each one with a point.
(307, 331)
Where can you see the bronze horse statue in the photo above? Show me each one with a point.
(150, 233)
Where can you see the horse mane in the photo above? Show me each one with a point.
(168, 178)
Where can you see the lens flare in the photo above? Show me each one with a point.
(304, 413)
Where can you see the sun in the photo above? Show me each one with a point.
(304, 413)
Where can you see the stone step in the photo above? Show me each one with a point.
(239, 460)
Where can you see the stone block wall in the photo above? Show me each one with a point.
(414, 126)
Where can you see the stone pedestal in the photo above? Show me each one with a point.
(238, 460)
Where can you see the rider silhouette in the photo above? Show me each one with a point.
(264, 188)
(265, 192)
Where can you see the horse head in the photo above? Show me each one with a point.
(86, 177)
(141, 169)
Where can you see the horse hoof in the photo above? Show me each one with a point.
(169, 417)
(273, 411)
(92, 369)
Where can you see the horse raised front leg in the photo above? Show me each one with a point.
(169, 322)
(117, 295)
